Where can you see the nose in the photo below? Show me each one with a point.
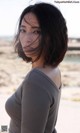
(28, 38)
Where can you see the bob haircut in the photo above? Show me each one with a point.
(53, 44)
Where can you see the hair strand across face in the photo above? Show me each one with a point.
(53, 30)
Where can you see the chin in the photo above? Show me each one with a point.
(28, 55)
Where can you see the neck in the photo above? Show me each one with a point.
(38, 64)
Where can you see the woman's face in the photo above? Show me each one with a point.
(29, 34)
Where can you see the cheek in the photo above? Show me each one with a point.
(36, 42)
(30, 42)
(22, 41)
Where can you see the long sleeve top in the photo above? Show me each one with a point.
(33, 108)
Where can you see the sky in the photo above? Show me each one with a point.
(10, 11)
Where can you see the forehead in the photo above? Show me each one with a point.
(31, 19)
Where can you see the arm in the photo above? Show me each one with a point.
(35, 108)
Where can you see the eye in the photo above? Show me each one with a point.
(22, 30)
(37, 32)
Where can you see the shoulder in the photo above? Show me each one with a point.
(35, 86)
(42, 81)
(56, 77)
(35, 78)
(33, 75)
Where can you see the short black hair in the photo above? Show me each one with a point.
(53, 26)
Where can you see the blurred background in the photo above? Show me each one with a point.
(13, 69)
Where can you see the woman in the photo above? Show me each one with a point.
(42, 40)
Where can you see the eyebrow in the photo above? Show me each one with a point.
(33, 27)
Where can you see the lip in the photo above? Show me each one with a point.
(27, 48)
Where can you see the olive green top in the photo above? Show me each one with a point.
(33, 108)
